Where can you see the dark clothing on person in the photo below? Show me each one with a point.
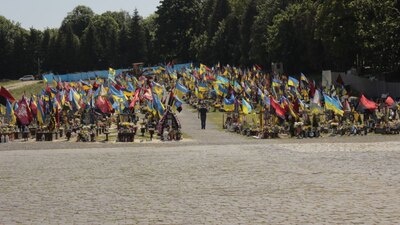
(203, 117)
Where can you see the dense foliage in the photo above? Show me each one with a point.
(308, 36)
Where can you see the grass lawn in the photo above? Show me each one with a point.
(213, 117)
(28, 90)
(216, 118)
(6, 83)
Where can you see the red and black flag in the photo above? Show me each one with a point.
(367, 104)
(4, 96)
(389, 101)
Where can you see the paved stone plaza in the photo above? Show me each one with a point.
(241, 181)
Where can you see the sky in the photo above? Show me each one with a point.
(41, 14)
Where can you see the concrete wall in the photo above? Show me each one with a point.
(371, 88)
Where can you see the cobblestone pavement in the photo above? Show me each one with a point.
(210, 184)
(203, 181)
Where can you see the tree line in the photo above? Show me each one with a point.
(307, 35)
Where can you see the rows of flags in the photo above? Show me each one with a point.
(244, 90)
(119, 93)
(240, 90)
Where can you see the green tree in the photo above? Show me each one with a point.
(124, 47)
(149, 25)
(246, 31)
(291, 38)
(137, 39)
(220, 11)
(19, 55)
(225, 43)
(199, 45)
(122, 17)
(49, 36)
(124, 20)
(70, 45)
(91, 48)
(307, 36)
(217, 30)
(34, 54)
(379, 38)
(174, 28)
(336, 28)
(101, 41)
(78, 19)
(266, 11)
(239, 7)
(7, 35)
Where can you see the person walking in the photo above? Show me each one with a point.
(203, 115)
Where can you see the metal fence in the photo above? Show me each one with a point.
(71, 77)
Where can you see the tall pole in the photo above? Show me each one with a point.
(38, 65)
(261, 118)
(223, 120)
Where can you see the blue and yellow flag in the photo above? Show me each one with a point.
(178, 102)
(276, 83)
(222, 80)
(221, 90)
(150, 107)
(158, 89)
(111, 71)
(303, 78)
(332, 104)
(203, 69)
(247, 88)
(54, 82)
(10, 113)
(173, 75)
(117, 94)
(246, 107)
(267, 100)
(74, 98)
(131, 88)
(181, 89)
(158, 105)
(229, 104)
(116, 107)
(86, 86)
(56, 104)
(203, 87)
(237, 87)
(40, 115)
(198, 94)
(293, 82)
(260, 93)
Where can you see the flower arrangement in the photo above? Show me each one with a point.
(7, 129)
(84, 134)
(126, 127)
(126, 124)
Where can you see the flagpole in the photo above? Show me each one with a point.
(261, 119)
(223, 120)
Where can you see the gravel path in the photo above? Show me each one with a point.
(215, 178)
(192, 126)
